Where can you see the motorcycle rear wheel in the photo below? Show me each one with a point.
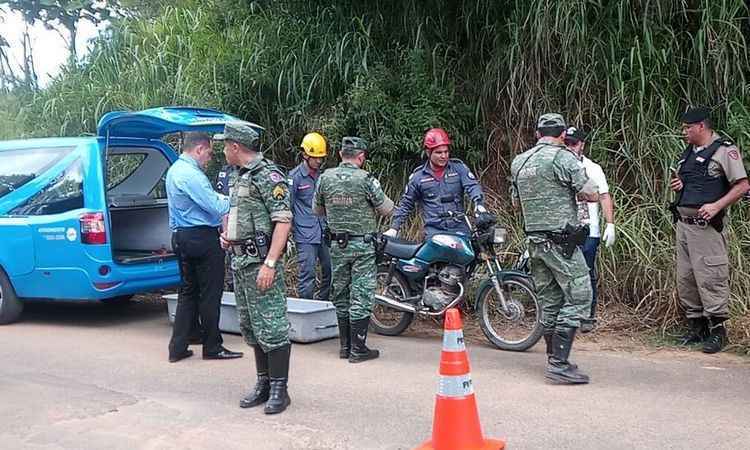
(386, 320)
(519, 332)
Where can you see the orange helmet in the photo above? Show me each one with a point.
(435, 137)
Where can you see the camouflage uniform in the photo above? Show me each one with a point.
(546, 179)
(351, 198)
(259, 196)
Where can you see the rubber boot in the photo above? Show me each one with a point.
(697, 331)
(558, 367)
(260, 392)
(360, 352)
(278, 370)
(717, 337)
(345, 337)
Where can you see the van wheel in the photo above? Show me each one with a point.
(10, 306)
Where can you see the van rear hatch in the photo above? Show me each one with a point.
(137, 161)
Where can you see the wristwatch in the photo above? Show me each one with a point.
(270, 263)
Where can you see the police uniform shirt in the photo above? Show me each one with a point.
(726, 161)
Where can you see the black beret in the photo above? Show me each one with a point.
(695, 114)
(575, 134)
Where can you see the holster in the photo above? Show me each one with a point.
(570, 238)
(257, 247)
(672, 207)
(717, 221)
(262, 243)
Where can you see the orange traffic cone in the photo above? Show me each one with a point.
(456, 422)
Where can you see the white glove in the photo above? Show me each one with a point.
(391, 232)
(609, 235)
(480, 209)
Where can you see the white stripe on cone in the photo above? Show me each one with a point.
(453, 341)
(455, 385)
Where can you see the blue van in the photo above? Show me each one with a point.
(86, 218)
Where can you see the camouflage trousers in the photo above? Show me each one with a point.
(262, 315)
(563, 285)
(353, 284)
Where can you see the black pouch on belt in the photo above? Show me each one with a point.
(571, 237)
(262, 243)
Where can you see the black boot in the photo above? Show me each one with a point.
(278, 369)
(558, 367)
(548, 333)
(717, 337)
(697, 331)
(345, 337)
(360, 352)
(260, 392)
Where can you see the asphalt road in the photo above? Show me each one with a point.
(97, 377)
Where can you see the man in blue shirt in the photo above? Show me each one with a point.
(308, 228)
(438, 186)
(195, 213)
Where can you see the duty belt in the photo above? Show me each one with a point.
(693, 220)
(243, 248)
(342, 239)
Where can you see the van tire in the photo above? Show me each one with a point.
(10, 305)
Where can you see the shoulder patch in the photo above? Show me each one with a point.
(279, 191)
(276, 176)
(375, 182)
(471, 175)
(734, 154)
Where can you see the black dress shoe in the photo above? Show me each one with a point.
(223, 354)
(181, 356)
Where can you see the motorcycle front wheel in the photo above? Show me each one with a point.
(386, 320)
(516, 328)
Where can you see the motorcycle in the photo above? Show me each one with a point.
(428, 278)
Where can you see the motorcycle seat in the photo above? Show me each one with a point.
(400, 248)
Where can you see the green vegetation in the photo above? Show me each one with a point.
(485, 70)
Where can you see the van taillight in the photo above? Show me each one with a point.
(93, 230)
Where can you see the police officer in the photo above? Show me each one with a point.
(710, 177)
(351, 199)
(256, 233)
(195, 212)
(547, 180)
(438, 186)
(307, 228)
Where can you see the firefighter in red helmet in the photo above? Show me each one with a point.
(438, 186)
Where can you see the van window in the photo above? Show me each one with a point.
(121, 166)
(18, 167)
(64, 193)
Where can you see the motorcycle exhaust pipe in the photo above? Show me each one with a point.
(387, 301)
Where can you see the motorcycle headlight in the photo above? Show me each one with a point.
(500, 236)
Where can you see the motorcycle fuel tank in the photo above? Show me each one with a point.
(448, 248)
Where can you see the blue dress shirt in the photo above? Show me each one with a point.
(191, 198)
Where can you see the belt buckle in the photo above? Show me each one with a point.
(701, 222)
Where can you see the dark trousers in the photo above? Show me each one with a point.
(589, 249)
(201, 262)
(307, 256)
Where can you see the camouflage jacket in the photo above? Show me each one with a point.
(350, 198)
(259, 196)
(545, 180)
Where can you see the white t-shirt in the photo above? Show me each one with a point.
(588, 212)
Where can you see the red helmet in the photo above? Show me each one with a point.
(435, 137)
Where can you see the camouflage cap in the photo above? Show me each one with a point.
(550, 120)
(353, 145)
(241, 132)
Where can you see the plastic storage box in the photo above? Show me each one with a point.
(310, 320)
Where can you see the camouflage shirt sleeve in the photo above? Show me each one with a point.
(382, 204)
(568, 171)
(274, 189)
(318, 202)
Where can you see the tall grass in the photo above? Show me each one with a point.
(389, 69)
